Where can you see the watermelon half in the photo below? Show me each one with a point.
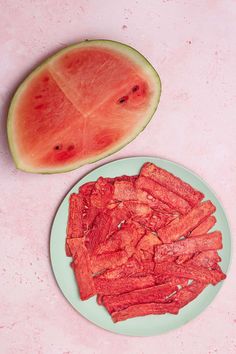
(83, 103)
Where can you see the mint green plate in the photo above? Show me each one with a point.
(146, 325)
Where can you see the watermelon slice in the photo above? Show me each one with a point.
(82, 104)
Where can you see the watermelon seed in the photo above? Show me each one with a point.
(135, 88)
(58, 147)
(39, 106)
(123, 99)
(70, 147)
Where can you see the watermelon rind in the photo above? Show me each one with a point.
(127, 50)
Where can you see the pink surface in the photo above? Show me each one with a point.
(192, 44)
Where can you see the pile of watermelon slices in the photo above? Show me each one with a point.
(142, 243)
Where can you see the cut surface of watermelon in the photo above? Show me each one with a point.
(82, 104)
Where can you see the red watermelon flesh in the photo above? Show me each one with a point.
(82, 73)
(124, 116)
(59, 139)
(82, 104)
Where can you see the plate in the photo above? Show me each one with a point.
(146, 325)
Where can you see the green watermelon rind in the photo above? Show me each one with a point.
(136, 56)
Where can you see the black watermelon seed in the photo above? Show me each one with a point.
(135, 88)
(58, 147)
(123, 99)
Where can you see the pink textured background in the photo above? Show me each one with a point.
(193, 46)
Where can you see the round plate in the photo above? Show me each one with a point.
(146, 325)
